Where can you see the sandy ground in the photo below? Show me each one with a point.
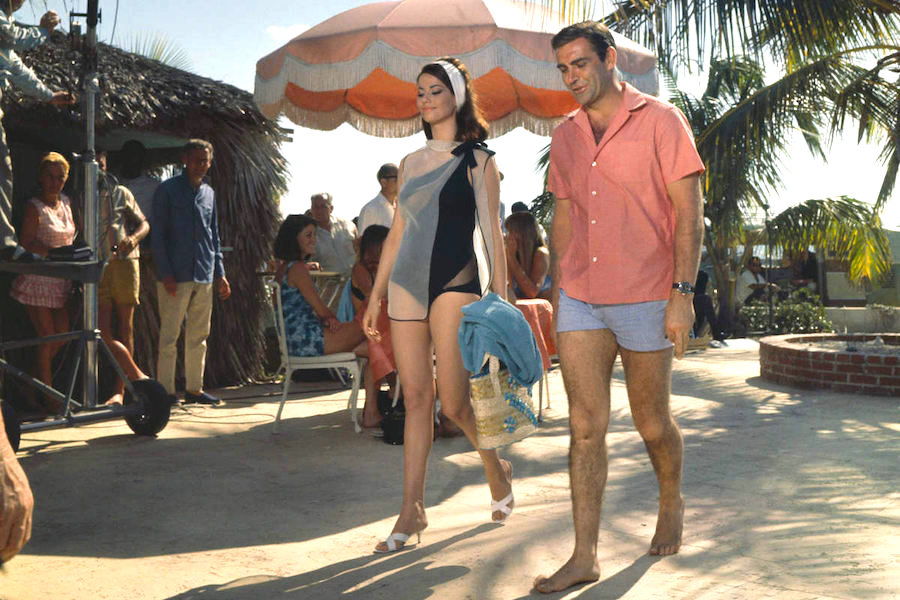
(790, 494)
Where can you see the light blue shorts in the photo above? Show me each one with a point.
(639, 327)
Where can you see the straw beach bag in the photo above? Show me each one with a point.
(504, 412)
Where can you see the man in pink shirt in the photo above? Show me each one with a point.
(625, 247)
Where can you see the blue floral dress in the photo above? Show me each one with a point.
(302, 328)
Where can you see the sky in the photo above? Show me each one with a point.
(223, 39)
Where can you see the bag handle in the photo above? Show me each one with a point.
(494, 369)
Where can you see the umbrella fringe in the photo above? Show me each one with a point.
(396, 128)
(378, 55)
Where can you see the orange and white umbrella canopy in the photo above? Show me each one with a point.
(360, 66)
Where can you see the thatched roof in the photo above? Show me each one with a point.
(145, 97)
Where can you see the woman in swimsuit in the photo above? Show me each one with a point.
(444, 250)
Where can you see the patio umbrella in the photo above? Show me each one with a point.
(360, 66)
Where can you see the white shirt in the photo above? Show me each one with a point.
(142, 187)
(745, 280)
(377, 211)
(334, 249)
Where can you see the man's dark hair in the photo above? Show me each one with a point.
(387, 170)
(518, 207)
(196, 144)
(597, 34)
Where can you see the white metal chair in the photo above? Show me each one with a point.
(340, 360)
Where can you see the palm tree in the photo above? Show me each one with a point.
(741, 172)
(742, 124)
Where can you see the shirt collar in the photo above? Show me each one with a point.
(633, 100)
(188, 183)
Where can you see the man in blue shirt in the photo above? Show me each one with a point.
(13, 71)
(188, 258)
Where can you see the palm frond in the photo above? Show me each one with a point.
(845, 226)
(156, 46)
(792, 31)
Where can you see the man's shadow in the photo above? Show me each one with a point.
(611, 588)
(354, 578)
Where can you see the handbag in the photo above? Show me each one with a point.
(504, 412)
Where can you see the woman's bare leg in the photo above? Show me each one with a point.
(345, 338)
(371, 418)
(453, 387)
(412, 350)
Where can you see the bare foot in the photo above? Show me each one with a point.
(575, 571)
(114, 400)
(667, 539)
(498, 516)
(410, 524)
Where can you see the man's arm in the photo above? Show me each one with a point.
(560, 238)
(135, 217)
(16, 501)
(159, 241)
(222, 286)
(688, 204)
(18, 37)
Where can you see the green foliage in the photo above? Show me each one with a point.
(161, 49)
(801, 312)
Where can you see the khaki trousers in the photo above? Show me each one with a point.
(194, 301)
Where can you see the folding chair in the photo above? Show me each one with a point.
(345, 360)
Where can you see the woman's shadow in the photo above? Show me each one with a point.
(354, 578)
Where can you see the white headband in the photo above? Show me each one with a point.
(457, 81)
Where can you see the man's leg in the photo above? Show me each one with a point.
(586, 359)
(125, 320)
(126, 296)
(196, 330)
(171, 315)
(648, 378)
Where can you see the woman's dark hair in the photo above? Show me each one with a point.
(524, 224)
(470, 122)
(372, 236)
(286, 246)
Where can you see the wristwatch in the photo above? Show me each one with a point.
(683, 287)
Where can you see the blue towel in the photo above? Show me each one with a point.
(345, 312)
(495, 326)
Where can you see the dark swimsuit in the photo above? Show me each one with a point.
(453, 267)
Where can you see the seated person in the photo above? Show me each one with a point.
(363, 273)
(804, 270)
(527, 258)
(381, 355)
(47, 224)
(752, 285)
(310, 327)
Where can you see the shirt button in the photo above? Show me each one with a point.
(593, 221)
(593, 192)
(594, 164)
(595, 259)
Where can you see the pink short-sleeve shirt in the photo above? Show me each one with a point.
(623, 221)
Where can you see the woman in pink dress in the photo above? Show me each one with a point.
(47, 224)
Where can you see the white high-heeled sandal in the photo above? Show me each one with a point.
(399, 538)
(502, 506)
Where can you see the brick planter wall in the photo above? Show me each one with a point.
(785, 359)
